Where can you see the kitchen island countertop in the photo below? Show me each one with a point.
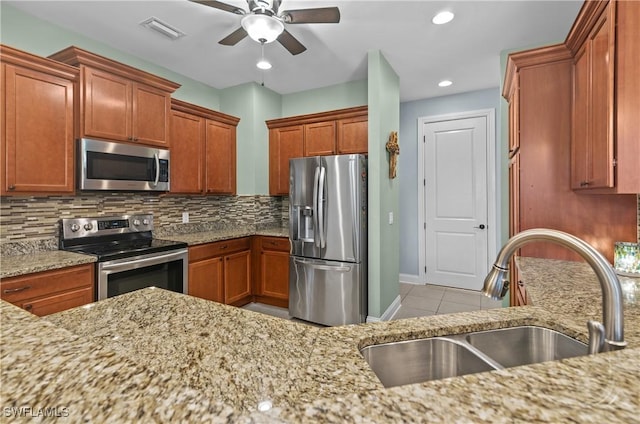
(206, 361)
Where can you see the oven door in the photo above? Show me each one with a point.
(167, 270)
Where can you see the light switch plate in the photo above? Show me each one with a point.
(185, 217)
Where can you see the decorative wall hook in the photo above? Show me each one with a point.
(394, 150)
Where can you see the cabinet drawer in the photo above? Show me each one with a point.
(280, 244)
(218, 248)
(17, 289)
(58, 302)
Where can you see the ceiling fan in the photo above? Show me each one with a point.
(265, 24)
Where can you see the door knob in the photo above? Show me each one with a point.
(481, 226)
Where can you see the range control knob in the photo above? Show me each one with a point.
(136, 222)
(88, 226)
(75, 227)
(145, 222)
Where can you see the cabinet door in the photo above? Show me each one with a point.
(221, 158)
(107, 105)
(353, 135)
(151, 109)
(187, 153)
(284, 143)
(580, 133)
(58, 302)
(274, 274)
(38, 138)
(320, 139)
(237, 278)
(206, 279)
(600, 162)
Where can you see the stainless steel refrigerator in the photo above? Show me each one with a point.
(328, 233)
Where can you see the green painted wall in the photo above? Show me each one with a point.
(339, 96)
(28, 33)
(384, 238)
(253, 104)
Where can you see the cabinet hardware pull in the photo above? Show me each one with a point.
(584, 183)
(12, 187)
(223, 247)
(7, 291)
(130, 138)
(135, 138)
(28, 307)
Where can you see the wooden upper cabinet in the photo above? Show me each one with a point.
(221, 158)
(284, 144)
(203, 150)
(37, 140)
(320, 139)
(335, 132)
(353, 135)
(514, 116)
(119, 102)
(605, 151)
(187, 153)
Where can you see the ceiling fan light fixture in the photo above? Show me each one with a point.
(262, 28)
(443, 17)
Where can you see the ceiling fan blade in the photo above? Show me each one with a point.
(219, 5)
(233, 38)
(322, 15)
(290, 43)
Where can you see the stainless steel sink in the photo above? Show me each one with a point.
(525, 345)
(416, 361)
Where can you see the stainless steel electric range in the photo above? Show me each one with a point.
(129, 258)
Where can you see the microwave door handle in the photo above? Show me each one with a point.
(157, 159)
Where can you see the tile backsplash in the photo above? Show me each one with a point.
(638, 218)
(35, 219)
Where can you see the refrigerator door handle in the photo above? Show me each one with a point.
(316, 224)
(321, 230)
(315, 265)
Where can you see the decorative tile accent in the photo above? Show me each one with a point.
(34, 221)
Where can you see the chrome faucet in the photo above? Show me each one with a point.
(601, 338)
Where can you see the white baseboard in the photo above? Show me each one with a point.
(389, 313)
(410, 278)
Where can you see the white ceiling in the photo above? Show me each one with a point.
(466, 51)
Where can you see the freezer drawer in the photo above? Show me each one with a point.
(327, 292)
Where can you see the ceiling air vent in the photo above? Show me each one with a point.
(163, 28)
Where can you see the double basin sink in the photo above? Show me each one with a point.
(416, 361)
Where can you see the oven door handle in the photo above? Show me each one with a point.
(136, 262)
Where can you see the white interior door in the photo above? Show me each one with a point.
(455, 169)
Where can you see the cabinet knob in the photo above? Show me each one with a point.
(584, 183)
(28, 307)
(12, 187)
(130, 138)
(135, 138)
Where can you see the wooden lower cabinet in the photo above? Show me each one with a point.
(272, 273)
(221, 271)
(206, 279)
(48, 292)
(237, 278)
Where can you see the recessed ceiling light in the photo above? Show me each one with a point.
(443, 17)
(444, 83)
(163, 28)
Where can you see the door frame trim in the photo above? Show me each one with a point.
(492, 188)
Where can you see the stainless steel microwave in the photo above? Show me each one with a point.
(107, 165)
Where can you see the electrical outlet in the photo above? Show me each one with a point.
(390, 218)
(185, 217)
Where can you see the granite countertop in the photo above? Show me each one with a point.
(23, 261)
(14, 265)
(220, 362)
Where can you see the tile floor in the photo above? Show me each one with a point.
(416, 300)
